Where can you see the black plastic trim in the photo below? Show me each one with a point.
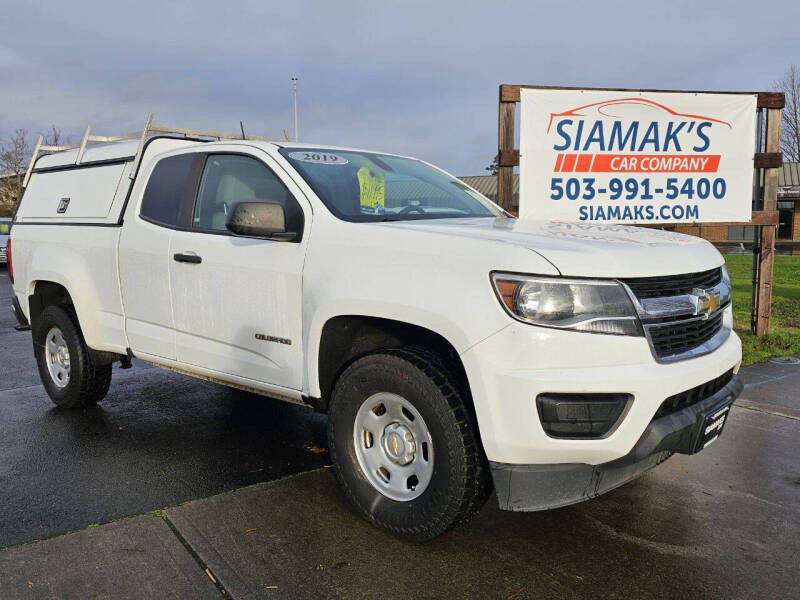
(85, 165)
(22, 321)
(68, 224)
(546, 403)
(541, 487)
(187, 258)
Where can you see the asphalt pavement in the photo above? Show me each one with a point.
(721, 524)
(158, 439)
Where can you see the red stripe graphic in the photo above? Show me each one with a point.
(584, 162)
(638, 163)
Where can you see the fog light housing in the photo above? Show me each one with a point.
(581, 416)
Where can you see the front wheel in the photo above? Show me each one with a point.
(404, 445)
(65, 364)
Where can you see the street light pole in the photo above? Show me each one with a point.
(294, 84)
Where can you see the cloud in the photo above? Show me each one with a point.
(410, 77)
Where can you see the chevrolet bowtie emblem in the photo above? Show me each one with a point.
(707, 301)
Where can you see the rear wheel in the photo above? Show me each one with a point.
(65, 364)
(404, 445)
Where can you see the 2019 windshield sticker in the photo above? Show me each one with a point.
(319, 158)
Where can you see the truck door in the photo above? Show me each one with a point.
(237, 301)
(144, 258)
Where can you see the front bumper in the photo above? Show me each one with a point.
(540, 487)
(509, 369)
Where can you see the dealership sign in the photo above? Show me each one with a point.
(636, 157)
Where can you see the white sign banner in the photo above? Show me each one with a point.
(636, 157)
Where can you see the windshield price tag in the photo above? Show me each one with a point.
(319, 158)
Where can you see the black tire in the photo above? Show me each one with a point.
(483, 485)
(459, 484)
(88, 382)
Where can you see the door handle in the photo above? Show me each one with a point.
(187, 257)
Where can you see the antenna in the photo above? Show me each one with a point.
(241, 125)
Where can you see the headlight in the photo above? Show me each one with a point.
(726, 278)
(595, 306)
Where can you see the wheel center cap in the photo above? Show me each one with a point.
(398, 443)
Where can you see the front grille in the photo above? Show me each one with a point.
(694, 395)
(678, 337)
(673, 285)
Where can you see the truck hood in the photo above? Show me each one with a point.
(585, 249)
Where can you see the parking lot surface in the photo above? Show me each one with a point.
(157, 439)
(721, 524)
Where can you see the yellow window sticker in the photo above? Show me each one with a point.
(373, 191)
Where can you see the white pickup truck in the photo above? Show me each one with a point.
(455, 348)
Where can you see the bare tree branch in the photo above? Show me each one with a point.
(14, 154)
(54, 137)
(494, 167)
(789, 84)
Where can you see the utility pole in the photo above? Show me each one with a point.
(294, 84)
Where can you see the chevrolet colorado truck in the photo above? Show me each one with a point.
(455, 348)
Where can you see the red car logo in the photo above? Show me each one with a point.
(616, 108)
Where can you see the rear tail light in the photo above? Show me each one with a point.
(8, 259)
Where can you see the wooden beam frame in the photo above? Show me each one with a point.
(505, 143)
(510, 93)
(770, 161)
(765, 270)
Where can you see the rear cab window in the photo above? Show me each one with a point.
(169, 195)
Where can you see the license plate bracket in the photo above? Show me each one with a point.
(710, 424)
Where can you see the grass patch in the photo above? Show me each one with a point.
(784, 337)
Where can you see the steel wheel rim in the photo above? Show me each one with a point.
(56, 353)
(393, 446)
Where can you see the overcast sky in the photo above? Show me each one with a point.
(411, 77)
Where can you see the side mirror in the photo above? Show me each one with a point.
(259, 218)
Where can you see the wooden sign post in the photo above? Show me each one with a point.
(766, 160)
(763, 301)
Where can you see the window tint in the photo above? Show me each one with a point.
(167, 188)
(230, 178)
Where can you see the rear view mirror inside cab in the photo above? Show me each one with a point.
(260, 218)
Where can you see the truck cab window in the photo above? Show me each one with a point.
(231, 178)
(168, 188)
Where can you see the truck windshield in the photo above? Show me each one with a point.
(363, 186)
